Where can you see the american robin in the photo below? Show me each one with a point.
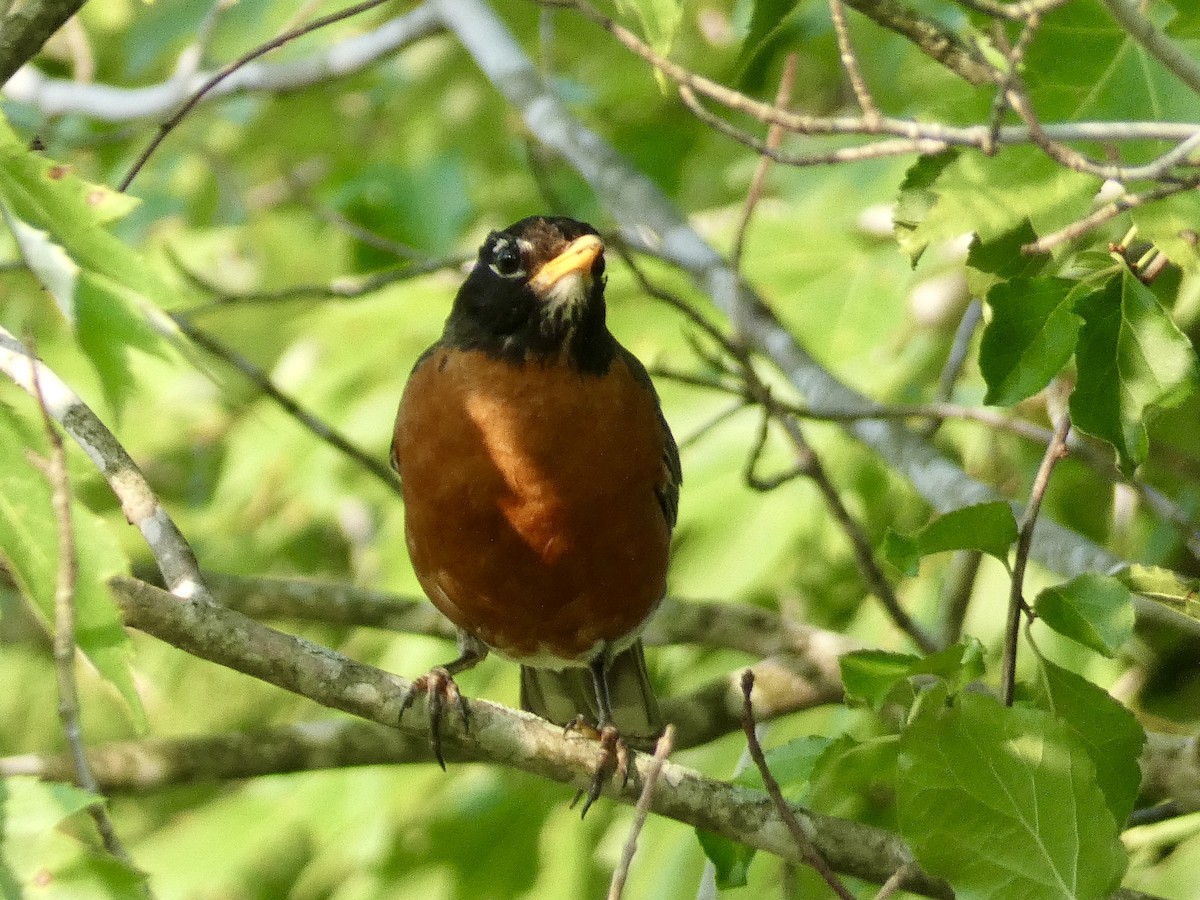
(541, 484)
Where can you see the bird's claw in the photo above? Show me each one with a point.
(440, 690)
(614, 760)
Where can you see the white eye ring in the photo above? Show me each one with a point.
(506, 259)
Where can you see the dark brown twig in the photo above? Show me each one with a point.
(289, 404)
(807, 462)
(661, 751)
(1016, 602)
(807, 851)
(274, 44)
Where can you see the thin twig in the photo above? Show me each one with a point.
(858, 83)
(64, 632)
(342, 288)
(1016, 602)
(972, 136)
(1105, 213)
(774, 138)
(290, 405)
(174, 556)
(808, 852)
(661, 751)
(807, 461)
(275, 43)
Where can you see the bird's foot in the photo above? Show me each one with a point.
(441, 692)
(614, 760)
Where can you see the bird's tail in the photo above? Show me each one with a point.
(562, 696)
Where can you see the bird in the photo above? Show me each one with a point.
(541, 485)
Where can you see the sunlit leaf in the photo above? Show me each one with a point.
(989, 527)
(1132, 359)
(1095, 610)
(1108, 732)
(1030, 337)
(1003, 803)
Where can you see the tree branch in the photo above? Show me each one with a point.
(111, 103)
(507, 737)
(24, 30)
(174, 555)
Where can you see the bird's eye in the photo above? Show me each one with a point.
(506, 259)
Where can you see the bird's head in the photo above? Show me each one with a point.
(536, 292)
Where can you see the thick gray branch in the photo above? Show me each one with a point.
(24, 30)
(504, 736)
(650, 220)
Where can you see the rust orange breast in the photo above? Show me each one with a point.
(530, 501)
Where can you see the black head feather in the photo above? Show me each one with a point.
(500, 312)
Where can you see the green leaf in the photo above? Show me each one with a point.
(1029, 339)
(660, 20)
(29, 551)
(1163, 586)
(40, 857)
(1171, 224)
(105, 290)
(1095, 610)
(902, 551)
(730, 859)
(1104, 728)
(791, 763)
(422, 206)
(917, 198)
(1004, 804)
(1132, 360)
(1186, 22)
(758, 19)
(870, 676)
(987, 527)
(1001, 258)
(992, 195)
(1083, 64)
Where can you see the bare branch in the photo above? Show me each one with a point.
(174, 556)
(64, 632)
(166, 127)
(858, 83)
(1012, 11)
(1106, 213)
(111, 103)
(774, 137)
(288, 404)
(506, 737)
(24, 30)
(661, 752)
(808, 852)
(1016, 602)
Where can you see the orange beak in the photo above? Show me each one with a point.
(576, 258)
